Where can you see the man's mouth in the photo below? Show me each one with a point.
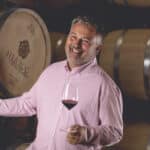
(75, 50)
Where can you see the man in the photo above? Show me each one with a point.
(96, 121)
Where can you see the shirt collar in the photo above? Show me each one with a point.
(80, 68)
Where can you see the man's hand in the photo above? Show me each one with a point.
(76, 134)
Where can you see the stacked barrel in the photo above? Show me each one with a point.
(126, 58)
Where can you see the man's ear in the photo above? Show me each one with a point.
(99, 49)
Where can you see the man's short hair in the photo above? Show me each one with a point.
(85, 20)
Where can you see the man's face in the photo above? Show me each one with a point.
(80, 44)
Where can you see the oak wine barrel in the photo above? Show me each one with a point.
(24, 50)
(58, 45)
(126, 58)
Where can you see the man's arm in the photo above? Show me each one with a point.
(110, 130)
(24, 105)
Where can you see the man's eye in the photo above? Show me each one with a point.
(86, 42)
(72, 37)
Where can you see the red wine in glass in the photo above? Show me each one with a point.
(69, 103)
(70, 96)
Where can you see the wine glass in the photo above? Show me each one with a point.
(70, 95)
(70, 98)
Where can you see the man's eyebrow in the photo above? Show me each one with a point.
(72, 33)
(86, 38)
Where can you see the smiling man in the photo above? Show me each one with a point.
(96, 120)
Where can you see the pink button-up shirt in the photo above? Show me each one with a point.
(99, 107)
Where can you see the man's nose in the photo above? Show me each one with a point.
(78, 43)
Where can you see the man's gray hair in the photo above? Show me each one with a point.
(85, 20)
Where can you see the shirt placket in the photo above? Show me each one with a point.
(68, 78)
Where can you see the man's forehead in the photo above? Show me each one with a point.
(80, 28)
